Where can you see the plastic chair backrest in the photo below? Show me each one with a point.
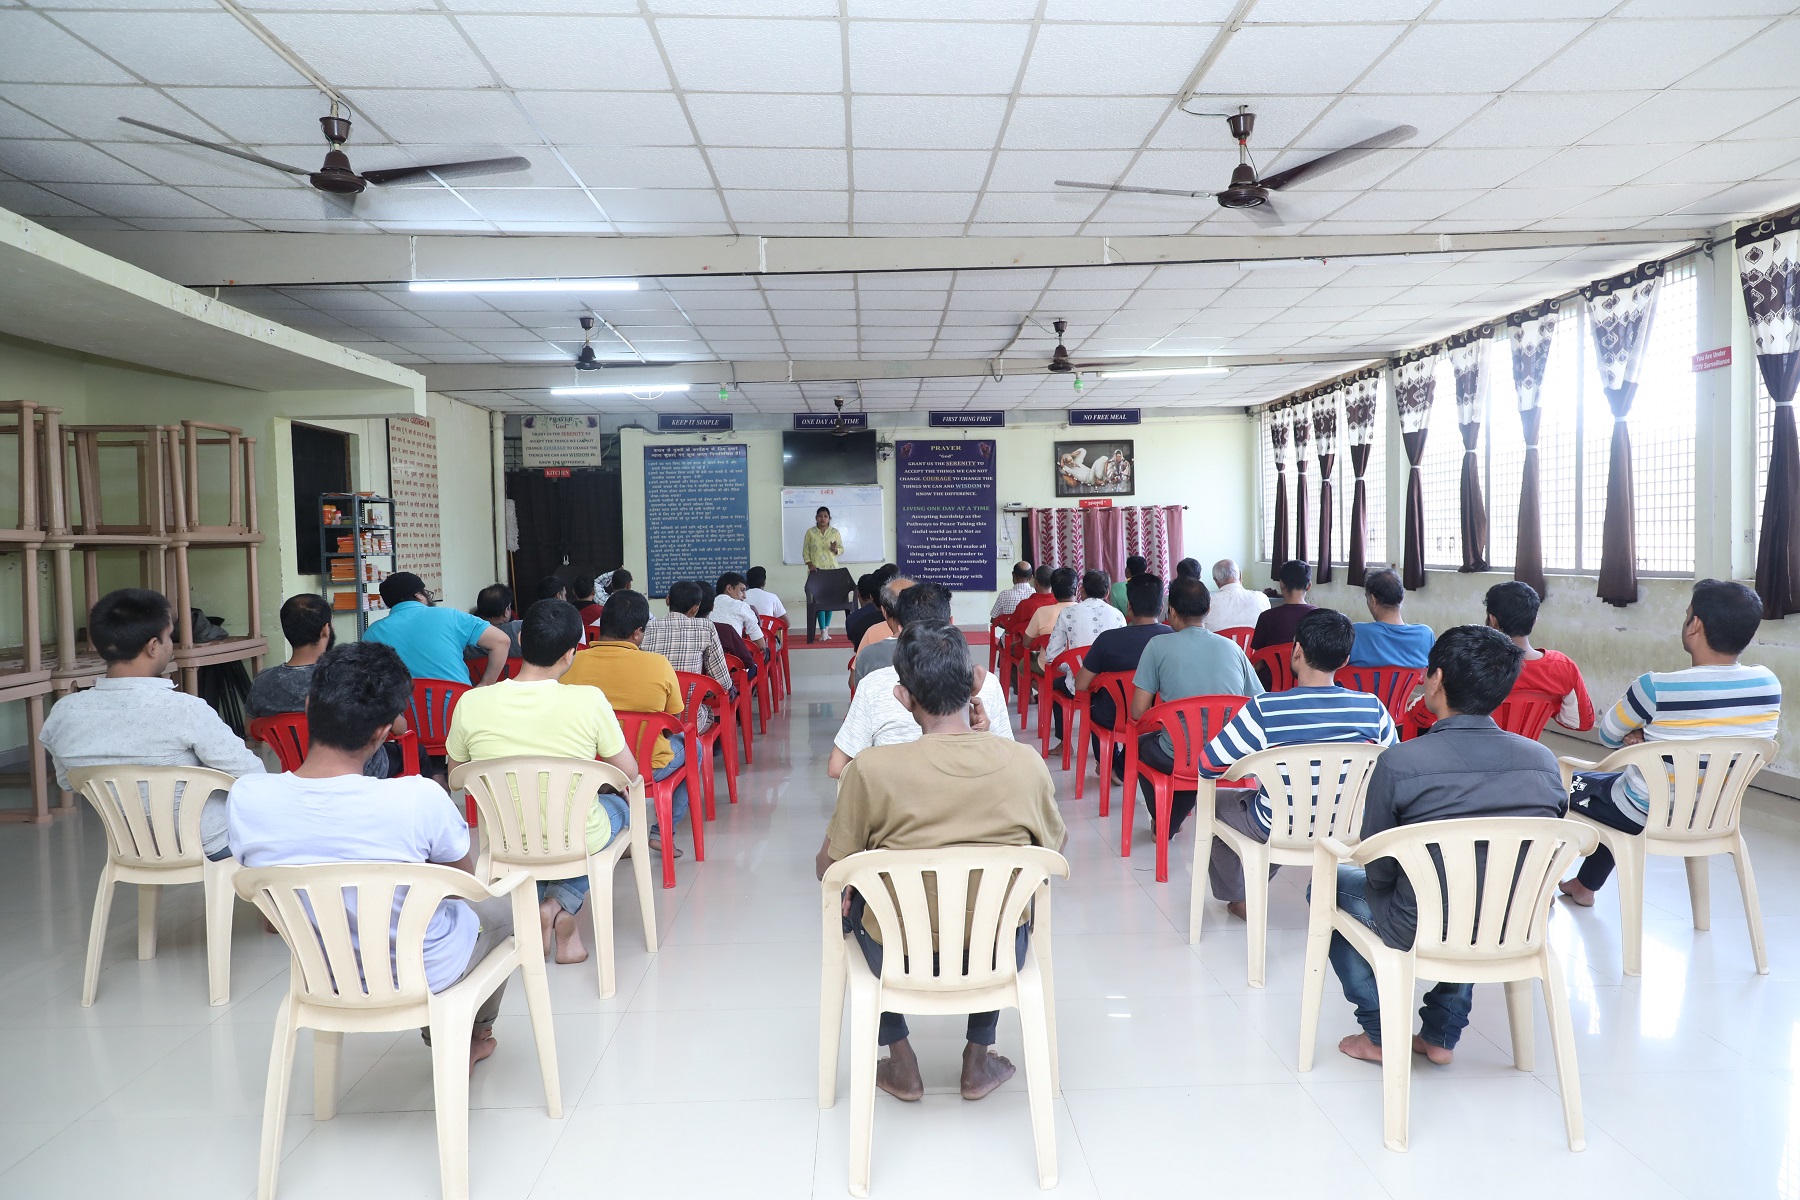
(286, 734)
(772, 627)
(429, 717)
(641, 731)
(1314, 790)
(1277, 662)
(1696, 785)
(991, 884)
(326, 913)
(152, 814)
(1190, 724)
(697, 690)
(1393, 686)
(1070, 659)
(1119, 684)
(1241, 634)
(1527, 713)
(1484, 884)
(551, 829)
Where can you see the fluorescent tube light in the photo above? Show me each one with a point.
(657, 388)
(523, 285)
(1153, 371)
(1276, 264)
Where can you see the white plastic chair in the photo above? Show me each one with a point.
(1696, 792)
(1481, 921)
(154, 842)
(1314, 791)
(976, 969)
(548, 839)
(330, 993)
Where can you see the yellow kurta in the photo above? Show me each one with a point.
(821, 548)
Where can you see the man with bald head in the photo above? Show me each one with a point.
(1006, 601)
(877, 654)
(1234, 606)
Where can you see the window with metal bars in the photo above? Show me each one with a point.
(1765, 443)
(1505, 438)
(1441, 475)
(1343, 487)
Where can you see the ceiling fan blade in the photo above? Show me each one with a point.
(243, 154)
(1338, 158)
(1123, 187)
(479, 166)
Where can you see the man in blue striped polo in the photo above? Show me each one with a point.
(1315, 709)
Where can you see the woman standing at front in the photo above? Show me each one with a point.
(819, 550)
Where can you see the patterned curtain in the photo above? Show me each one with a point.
(1278, 442)
(1769, 268)
(1414, 391)
(1325, 440)
(1057, 535)
(1102, 538)
(1154, 531)
(1620, 311)
(1532, 331)
(1361, 401)
(1467, 353)
(1302, 438)
(1103, 534)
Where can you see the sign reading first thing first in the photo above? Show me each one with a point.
(966, 419)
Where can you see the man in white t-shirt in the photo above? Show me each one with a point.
(730, 608)
(328, 811)
(758, 596)
(1234, 606)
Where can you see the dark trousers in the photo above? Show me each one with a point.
(1056, 713)
(1590, 794)
(1152, 754)
(982, 1025)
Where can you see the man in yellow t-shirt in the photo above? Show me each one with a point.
(635, 680)
(819, 550)
(532, 715)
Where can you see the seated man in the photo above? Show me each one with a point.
(328, 812)
(881, 654)
(1188, 568)
(1134, 566)
(690, 642)
(1717, 696)
(1387, 640)
(759, 597)
(618, 580)
(136, 717)
(1512, 608)
(1234, 606)
(530, 714)
(731, 642)
(857, 623)
(431, 641)
(581, 595)
(1043, 618)
(1121, 650)
(637, 680)
(877, 717)
(730, 608)
(1006, 601)
(494, 604)
(306, 624)
(1276, 626)
(1076, 628)
(1193, 661)
(949, 786)
(1468, 767)
(1315, 709)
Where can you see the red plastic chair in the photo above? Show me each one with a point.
(1190, 724)
(749, 689)
(1027, 677)
(1011, 659)
(1051, 697)
(288, 736)
(996, 628)
(1392, 685)
(593, 633)
(434, 700)
(1119, 684)
(698, 690)
(1241, 634)
(641, 732)
(775, 635)
(1526, 713)
(1275, 665)
(478, 668)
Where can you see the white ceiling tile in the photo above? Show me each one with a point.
(1313, 12)
(92, 113)
(801, 170)
(907, 229)
(1400, 206)
(299, 203)
(730, 8)
(542, 6)
(1043, 123)
(1061, 206)
(130, 200)
(927, 122)
(1548, 118)
(725, 119)
(1467, 57)
(1185, 170)
(1280, 120)
(1036, 170)
(1602, 165)
(17, 123)
(1689, 116)
(193, 224)
(1639, 202)
(1436, 169)
(1317, 58)
(1708, 8)
(1640, 54)
(913, 207)
(1745, 200)
(64, 162)
(760, 208)
(180, 48)
(1114, 60)
(29, 200)
(39, 52)
(639, 167)
(362, 50)
(534, 204)
(1024, 229)
(660, 204)
(254, 115)
(541, 51)
(910, 170)
(1525, 204)
(608, 118)
(1724, 162)
(431, 117)
(967, 58)
(754, 56)
(1766, 61)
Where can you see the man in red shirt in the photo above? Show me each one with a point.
(1040, 596)
(1512, 608)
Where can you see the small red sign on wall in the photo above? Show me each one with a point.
(556, 472)
(1712, 360)
(1094, 502)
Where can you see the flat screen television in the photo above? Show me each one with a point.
(827, 460)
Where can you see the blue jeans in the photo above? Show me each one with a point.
(679, 803)
(1445, 1013)
(572, 893)
(983, 1026)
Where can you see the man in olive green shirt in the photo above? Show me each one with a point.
(951, 787)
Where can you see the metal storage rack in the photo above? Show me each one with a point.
(369, 552)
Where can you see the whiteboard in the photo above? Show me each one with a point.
(856, 512)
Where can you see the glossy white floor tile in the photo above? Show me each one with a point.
(698, 1077)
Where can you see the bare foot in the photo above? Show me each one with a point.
(983, 1071)
(1577, 893)
(898, 1073)
(548, 911)
(481, 1044)
(1359, 1046)
(569, 948)
(1238, 909)
(1437, 1054)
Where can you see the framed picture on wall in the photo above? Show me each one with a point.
(1095, 468)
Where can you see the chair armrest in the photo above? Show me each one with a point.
(1568, 767)
(1335, 848)
(505, 885)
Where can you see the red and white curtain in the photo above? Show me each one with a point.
(1103, 538)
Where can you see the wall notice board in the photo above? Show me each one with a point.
(696, 512)
(855, 512)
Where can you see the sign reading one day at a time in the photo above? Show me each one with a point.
(693, 422)
(1104, 416)
(828, 422)
(972, 419)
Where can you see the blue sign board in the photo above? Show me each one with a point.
(945, 512)
(693, 422)
(828, 422)
(975, 419)
(1104, 416)
(696, 512)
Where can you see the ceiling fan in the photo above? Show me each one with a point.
(335, 176)
(1248, 190)
(1059, 359)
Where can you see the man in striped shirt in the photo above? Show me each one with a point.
(1716, 697)
(1315, 709)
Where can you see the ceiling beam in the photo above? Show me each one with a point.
(207, 260)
